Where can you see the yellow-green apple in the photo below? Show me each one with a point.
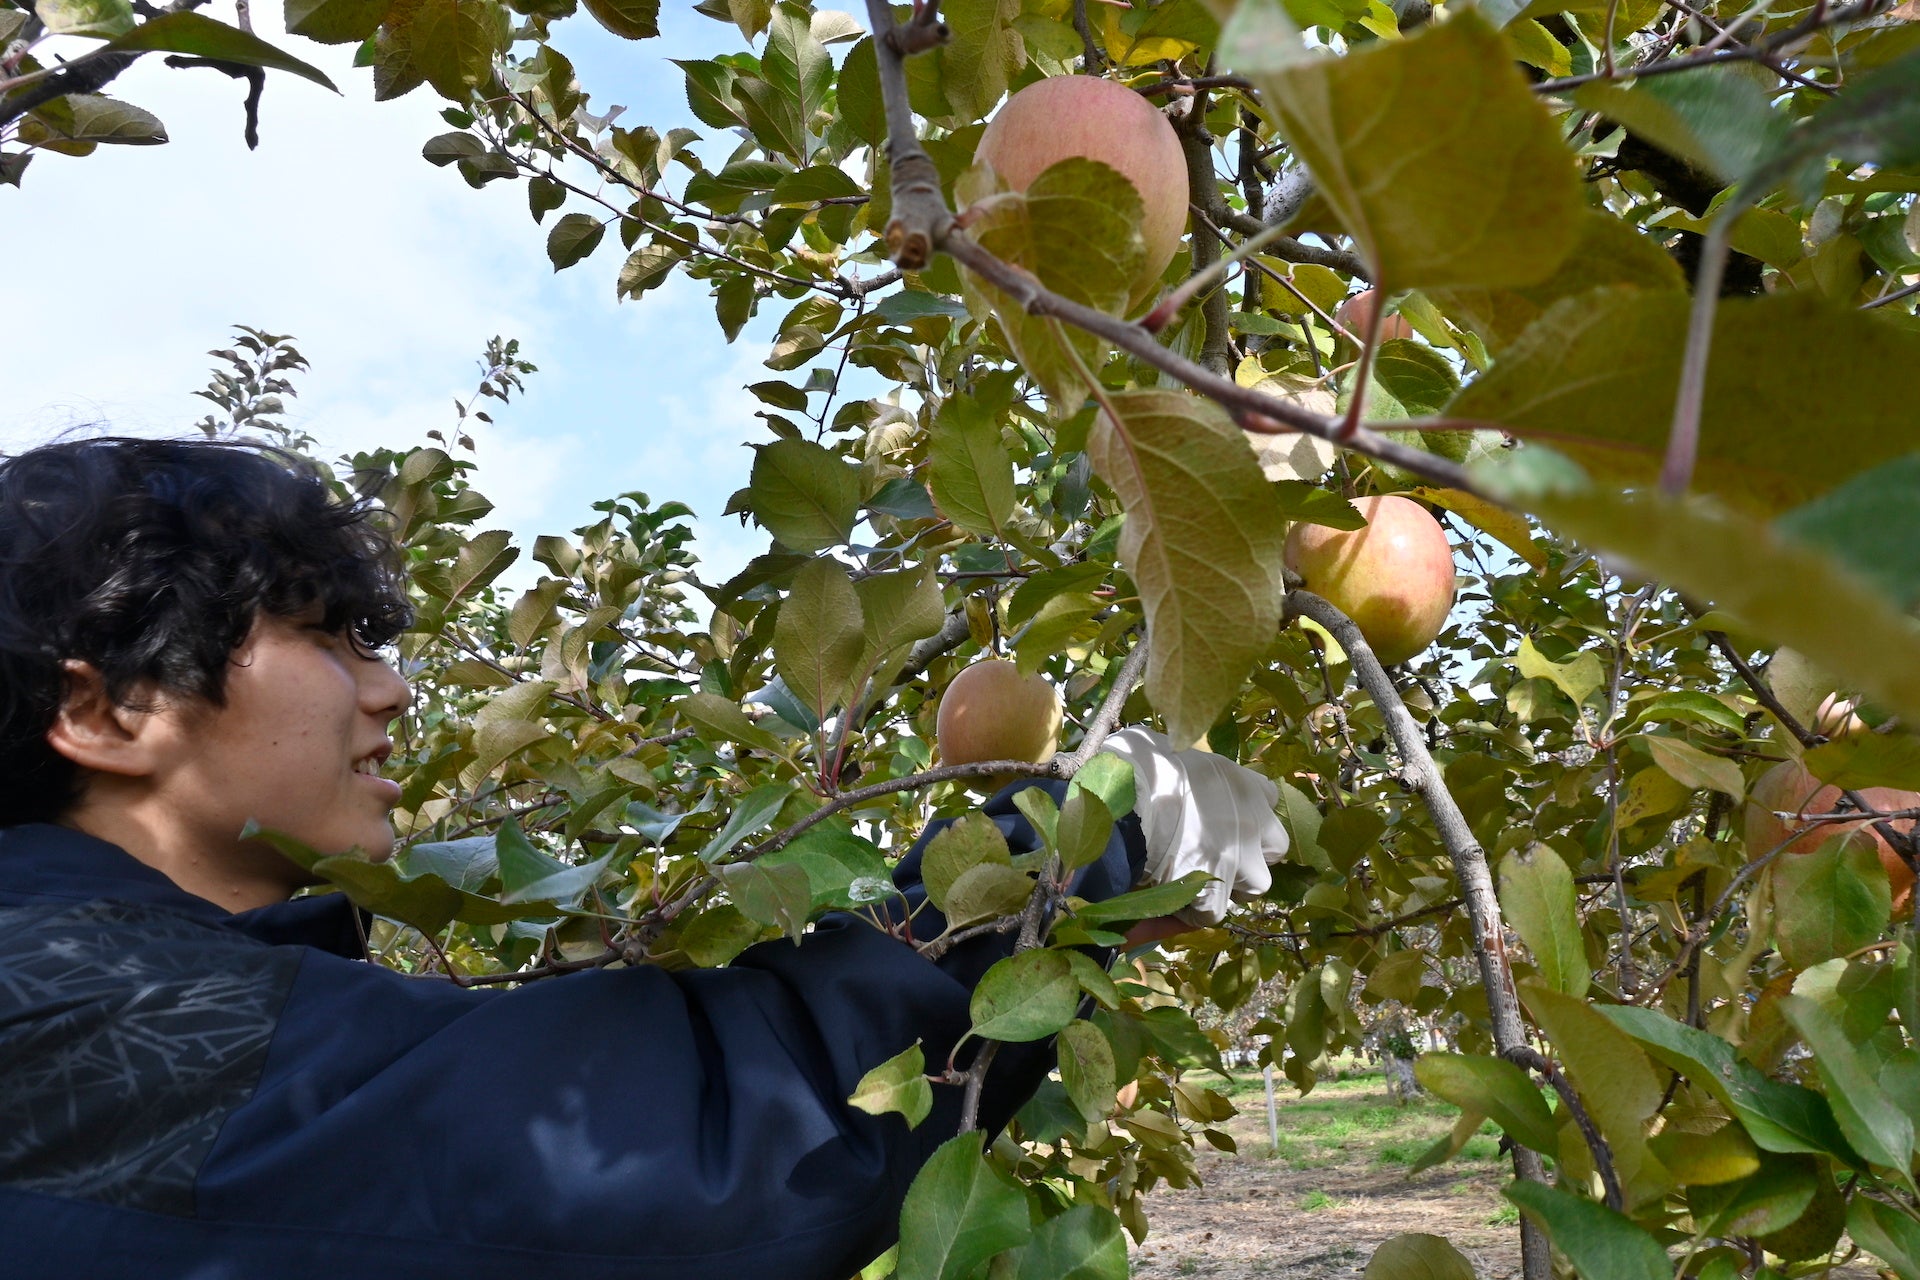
(1394, 578)
(992, 712)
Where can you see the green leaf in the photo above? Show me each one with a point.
(1579, 677)
(984, 51)
(1494, 1088)
(1417, 1256)
(335, 21)
(898, 1084)
(419, 898)
(1084, 1243)
(1691, 706)
(1145, 904)
(1876, 121)
(843, 870)
(1433, 152)
(573, 237)
(511, 721)
(1772, 1198)
(970, 472)
(1202, 543)
(1886, 1232)
(467, 863)
(1076, 229)
(804, 494)
(1874, 1123)
(1038, 808)
(1028, 996)
(857, 97)
(1693, 768)
(1094, 980)
(777, 896)
(94, 118)
(1867, 760)
(969, 841)
(1085, 827)
(105, 18)
(1719, 118)
(1601, 1244)
(1744, 568)
(1611, 1073)
(1597, 374)
(1778, 1117)
(796, 64)
(1537, 897)
(481, 559)
(897, 609)
(646, 268)
(1415, 375)
(197, 34)
(753, 811)
(716, 720)
(959, 1212)
(812, 185)
(1830, 902)
(717, 935)
(450, 44)
(1086, 1069)
(1871, 524)
(519, 863)
(1608, 251)
(1108, 777)
(986, 892)
(628, 19)
(819, 637)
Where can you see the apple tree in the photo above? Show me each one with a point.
(1638, 327)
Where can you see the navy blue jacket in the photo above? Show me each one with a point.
(186, 1093)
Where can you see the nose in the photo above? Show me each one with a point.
(384, 692)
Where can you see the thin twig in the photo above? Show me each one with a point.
(1533, 1060)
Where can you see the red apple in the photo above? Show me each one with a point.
(1394, 578)
(1356, 313)
(1789, 788)
(1066, 116)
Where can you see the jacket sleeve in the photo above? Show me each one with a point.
(694, 1121)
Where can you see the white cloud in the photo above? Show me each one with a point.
(391, 274)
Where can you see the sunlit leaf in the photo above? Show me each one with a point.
(1201, 541)
(1433, 152)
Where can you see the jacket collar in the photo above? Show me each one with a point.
(40, 860)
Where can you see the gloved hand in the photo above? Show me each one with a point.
(1200, 812)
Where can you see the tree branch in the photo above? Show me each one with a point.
(1533, 1060)
(1423, 777)
(88, 73)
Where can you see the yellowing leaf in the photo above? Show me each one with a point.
(1433, 151)
(1202, 543)
(1693, 768)
(1596, 377)
(1611, 1073)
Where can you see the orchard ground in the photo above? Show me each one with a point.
(1338, 1186)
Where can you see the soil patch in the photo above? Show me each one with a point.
(1337, 1187)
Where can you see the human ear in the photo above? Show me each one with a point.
(99, 735)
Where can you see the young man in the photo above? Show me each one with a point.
(201, 1076)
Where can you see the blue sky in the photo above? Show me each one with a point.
(391, 274)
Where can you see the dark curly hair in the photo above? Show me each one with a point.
(150, 560)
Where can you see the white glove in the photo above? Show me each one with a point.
(1200, 812)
